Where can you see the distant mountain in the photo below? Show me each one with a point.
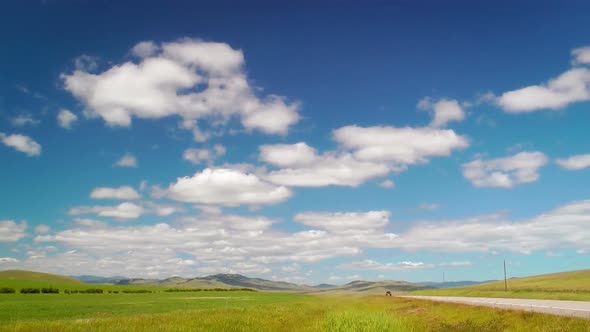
(238, 280)
(375, 287)
(99, 280)
(324, 286)
(220, 281)
(451, 284)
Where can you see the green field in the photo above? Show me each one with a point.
(245, 311)
(573, 285)
(259, 311)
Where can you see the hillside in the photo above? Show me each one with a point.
(219, 281)
(453, 284)
(374, 287)
(572, 285)
(238, 280)
(563, 281)
(22, 279)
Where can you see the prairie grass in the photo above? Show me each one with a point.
(260, 311)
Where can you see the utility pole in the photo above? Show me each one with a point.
(505, 283)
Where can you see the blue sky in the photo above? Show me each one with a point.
(305, 142)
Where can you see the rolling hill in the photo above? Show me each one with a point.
(23, 279)
(572, 285)
(220, 281)
(564, 281)
(374, 287)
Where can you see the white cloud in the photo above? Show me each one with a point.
(445, 111)
(145, 49)
(219, 149)
(387, 184)
(86, 63)
(225, 186)
(401, 146)
(196, 156)
(329, 169)
(8, 260)
(570, 87)
(217, 242)
(457, 264)
(581, 55)
(127, 160)
(126, 210)
(21, 143)
(288, 155)
(369, 264)
(345, 222)
(41, 229)
(575, 163)
(120, 193)
(10, 231)
(505, 172)
(190, 78)
(566, 227)
(65, 118)
(23, 120)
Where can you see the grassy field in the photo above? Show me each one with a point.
(259, 311)
(573, 285)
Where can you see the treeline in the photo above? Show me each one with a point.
(50, 290)
(209, 290)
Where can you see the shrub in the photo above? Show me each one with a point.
(92, 291)
(49, 290)
(136, 291)
(30, 291)
(6, 290)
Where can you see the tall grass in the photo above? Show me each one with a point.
(359, 321)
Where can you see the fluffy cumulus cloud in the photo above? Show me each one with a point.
(119, 193)
(65, 118)
(10, 231)
(400, 146)
(566, 227)
(444, 111)
(505, 172)
(575, 163)
(212, 242)
(123, 211)
(127, 160)
(208, 243)
(189, 78)
(369, 264)
(570, 87)
(21, 143)
(365, 153)
(303, 166)
(225, 186)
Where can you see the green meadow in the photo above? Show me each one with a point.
(259, 311)
(245, 311)
(572, 285)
